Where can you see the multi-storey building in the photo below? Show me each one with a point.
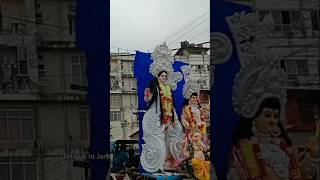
(42, 118)
(295, 39)
(123, 96)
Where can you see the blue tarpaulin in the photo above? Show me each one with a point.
(92, 35)
(224, 118)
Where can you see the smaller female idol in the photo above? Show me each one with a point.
(193, 116)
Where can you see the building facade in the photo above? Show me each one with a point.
(295, 39)
(123, 96)
(42, 119)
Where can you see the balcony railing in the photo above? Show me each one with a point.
(300, 81)
(6, 31)
(56, 45)
(114, 71)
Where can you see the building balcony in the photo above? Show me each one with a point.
(114, 72)
(57, 45)
(127, 74)
(308, 81)
(18, 88)
(204, 87)
(6, 35)
(18, 97)
(118, 91)
(9, 37)
(301, 127)
(126, 91)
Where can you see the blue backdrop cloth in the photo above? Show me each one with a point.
(143, 76)
(92, 35)
(223, 117)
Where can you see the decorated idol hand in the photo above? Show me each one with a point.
(313, 146)
(147, 94)
(205, 113)
(203, 123)
(185, 147)
(185, 124)
(174, 123)
(186, 153)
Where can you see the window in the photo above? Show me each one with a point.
(302, 66)
(291, 66)
(131, 67)
(133, 100)
(114, 67)
(1, 20)
(16, 124)
(127, 67)
(308, 113)
(126, 84)
(204, 97)
(115, 116)
(19, 27)
(72, 8)
(78, 66)
(1, 59)
(262, 14)
(37, 5)
(18, 168)
(39, 18)
(315, 19)
(71, 18)
(115, 101)
(84, 115)
(204, 82)
(285, 21)
(206, 68)
(124, 67)
(297, 67)
(277, 19)
(297, 21)
(22, 60)
(133, 84)
(41, 70)
(129, 84)
(114, 84)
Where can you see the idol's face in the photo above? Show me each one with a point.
(163, 77)
(267, 120)
(196, 137)
(194, 100)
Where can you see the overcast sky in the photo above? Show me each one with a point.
(142, 24)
